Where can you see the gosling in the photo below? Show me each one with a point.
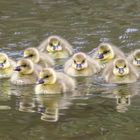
(51, 82)
(134, 59)
(120, 71)
(38, 58)
(81, 65)
(24, 73)
(107, 52)
(57, 47)
(6, 66)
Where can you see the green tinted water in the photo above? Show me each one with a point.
(96, 111)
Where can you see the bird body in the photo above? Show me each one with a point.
(57, 47)
(24, 73)
(81, 65)
(51, 82)
(120, 71)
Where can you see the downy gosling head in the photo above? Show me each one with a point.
(54, 45)
(107, 52)
(47, 76)
(25, 73)
(32, 54)
(121, 67)
(6, 66)
(24, 67)
(79, 61)
(4, 61)
(136, 58)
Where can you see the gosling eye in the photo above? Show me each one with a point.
(51, 44)
(31, 55)
(107, 51)
(24, 65)
(117, 67)
(47, 76)
(74, 61)
(124, 66)
(135, 58)
(83, 61)
(4, 61)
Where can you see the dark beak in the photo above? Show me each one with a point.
(17, 68)
(121, 70)
(138, 62)
(100, 56)
(1, 65)
(40, 81)
(78, 66)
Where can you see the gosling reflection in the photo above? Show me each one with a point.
(49, 107)
(122, 103)
(123, 95)
(26, 103)
(5, 95)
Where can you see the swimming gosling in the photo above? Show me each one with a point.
(134, 58)
(81, 65)
(24, 73)
(51, 82)
(57, 47)
(6, 66)
(107, 52)
(120, 71)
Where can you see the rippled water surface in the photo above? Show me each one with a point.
(96, 111)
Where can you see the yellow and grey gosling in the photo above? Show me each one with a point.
(120, 71)
(38, 58)
(81, 64)
(57, 47)
(24, 73)
(134, 58)
(107, 52)
(6, 66)
(52, 82)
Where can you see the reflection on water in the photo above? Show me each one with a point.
(4, 95)
(96, 110)
(49, 108)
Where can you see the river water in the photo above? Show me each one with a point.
(96, 111)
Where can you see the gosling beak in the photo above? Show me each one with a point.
(138, 62)
(121, 70)
(40, 81)
(17, 68)
(100, 56)
(78, 66)
(1, 65)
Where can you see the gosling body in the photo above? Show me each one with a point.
(81, 65)
(57, 47)
(120, 71)
(6, 66)
(24, 73)
(51, 82)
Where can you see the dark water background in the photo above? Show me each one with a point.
(99, 111)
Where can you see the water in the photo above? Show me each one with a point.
(96, 110)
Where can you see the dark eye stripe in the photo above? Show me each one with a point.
(46, 76)
(106, 52)
(4, 61)
(24, 65)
